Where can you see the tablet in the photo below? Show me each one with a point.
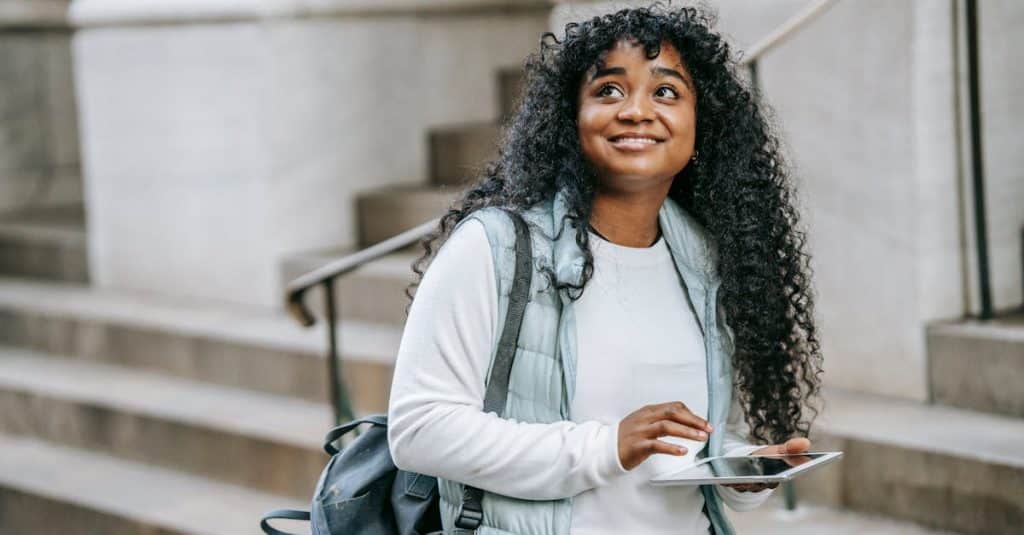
(746, 469)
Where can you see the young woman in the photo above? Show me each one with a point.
(670, 314)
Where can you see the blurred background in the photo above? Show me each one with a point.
(171, 171)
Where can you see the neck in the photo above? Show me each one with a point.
(629, 219)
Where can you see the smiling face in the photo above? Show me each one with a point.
(637, 117)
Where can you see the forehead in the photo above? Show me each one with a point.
(628, 51)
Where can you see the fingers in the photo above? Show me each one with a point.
(791, 446)
(678, 412)
(639, 431)
(653, 446)
(666, 428)
(746, 487)
(752, 487)
(796, 445)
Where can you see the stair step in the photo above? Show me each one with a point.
(388, 211)
(48, 244)
(373, 293)
(510, 86)
(262, 441)
(46, 488)
(458, 153)
(978, 365)
(224, 344)
(943, 467)
(772, 518)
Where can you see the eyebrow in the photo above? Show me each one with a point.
(607, 71)
(664, 71)
(660, 72)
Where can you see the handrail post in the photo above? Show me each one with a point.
(754, 82)
(789, 489)
(339, 399)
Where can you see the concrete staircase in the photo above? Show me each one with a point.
(135, 413)
(956, 463)
(217, 406)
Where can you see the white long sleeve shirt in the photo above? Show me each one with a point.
(638, 343)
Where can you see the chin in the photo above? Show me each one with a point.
(633, 179)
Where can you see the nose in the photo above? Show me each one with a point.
(636, 108)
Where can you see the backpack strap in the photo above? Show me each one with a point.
(289, 514)
(471, 513)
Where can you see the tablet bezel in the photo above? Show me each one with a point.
(665, 479)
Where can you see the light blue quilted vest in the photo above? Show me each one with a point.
(543, 377)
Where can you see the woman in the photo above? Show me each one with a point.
(671, 314)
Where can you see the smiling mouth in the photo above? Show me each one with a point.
(632, 142)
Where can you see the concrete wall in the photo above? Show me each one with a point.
(865, 101)
(219, 136)
(868, 100)
(39, 162)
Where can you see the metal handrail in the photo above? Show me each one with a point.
(296, 289)
(324, 276)
(785, 30)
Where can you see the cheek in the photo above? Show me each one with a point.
(590, 130)
(683, 124)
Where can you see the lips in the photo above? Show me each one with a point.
(634, 141)
(636, 136)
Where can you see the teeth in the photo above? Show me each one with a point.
(646, 140)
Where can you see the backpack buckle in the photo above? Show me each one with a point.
(469, 517)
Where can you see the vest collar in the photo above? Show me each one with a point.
(691, 249)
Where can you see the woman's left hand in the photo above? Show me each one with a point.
(793, 445)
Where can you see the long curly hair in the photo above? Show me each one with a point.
(740, 191)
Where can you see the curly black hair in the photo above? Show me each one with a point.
(740, 192)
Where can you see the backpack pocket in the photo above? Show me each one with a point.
(367, 514)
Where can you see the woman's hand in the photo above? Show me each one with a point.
(639, 431)
(793, 445)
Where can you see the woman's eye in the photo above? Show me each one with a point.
(666, 91)
(608, 90)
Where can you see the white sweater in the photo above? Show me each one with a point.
(638, 343)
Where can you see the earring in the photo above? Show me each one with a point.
(696, 154)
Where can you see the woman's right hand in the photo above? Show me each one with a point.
(639, 431)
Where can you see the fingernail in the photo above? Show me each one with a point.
(702, 434)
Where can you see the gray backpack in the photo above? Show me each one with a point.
(361, 492)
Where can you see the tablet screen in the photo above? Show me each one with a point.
(757, 466)
(751, 466)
